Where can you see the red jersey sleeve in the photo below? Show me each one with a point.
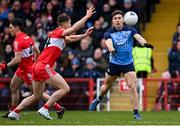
(57, 33)
(18, 46)
(32, 42)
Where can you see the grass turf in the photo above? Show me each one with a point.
(96, 118)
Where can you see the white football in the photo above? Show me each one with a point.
(130, 18)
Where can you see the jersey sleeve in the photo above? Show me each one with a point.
(58, 33)
(32, 42)
(107, 35)
(18, 46)
(134, 31)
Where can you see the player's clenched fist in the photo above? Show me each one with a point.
(89, 31)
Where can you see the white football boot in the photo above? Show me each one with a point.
(13, 115)
(44, 113)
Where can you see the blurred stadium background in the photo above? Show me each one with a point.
(82, 63)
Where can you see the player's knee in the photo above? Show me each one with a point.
(37, 96)
(132, 85)
(67, 89)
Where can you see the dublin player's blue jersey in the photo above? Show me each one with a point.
(122, 43)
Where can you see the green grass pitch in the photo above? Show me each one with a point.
(96, 118)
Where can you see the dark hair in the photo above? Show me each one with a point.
(178, 24)
(63, 18)
(18, 22)
(117, 12)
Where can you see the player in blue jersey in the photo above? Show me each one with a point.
(119, 41)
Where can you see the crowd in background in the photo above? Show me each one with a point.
(40, 16)
(87, 58)
(173, 71)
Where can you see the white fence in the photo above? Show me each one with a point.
(123, 87)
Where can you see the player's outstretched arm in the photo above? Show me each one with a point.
(80, 23)
(15, 60)
(140, 39)
(109, 45)
(74, 38)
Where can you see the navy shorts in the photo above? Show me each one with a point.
(114, 69)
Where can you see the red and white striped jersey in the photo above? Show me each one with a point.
(53, 48)
(24, 44)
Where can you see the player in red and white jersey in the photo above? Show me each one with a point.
(24, 49)
(53, 47)
(24, 44)
(42, 68)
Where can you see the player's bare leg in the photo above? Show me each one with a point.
(38, 89)
(63, 88)
(130, 78)
(59, 109)
(16, 82)
(109, 80)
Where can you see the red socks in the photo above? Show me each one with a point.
(17, 111)
(12, 107)
(46, 106)
(57, 107)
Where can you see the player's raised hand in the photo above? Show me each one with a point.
(89, 31)
(90, 11)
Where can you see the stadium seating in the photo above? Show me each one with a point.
(159, 32)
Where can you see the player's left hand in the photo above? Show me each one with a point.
(147, 45)
(89, 31)
(3, 66)
(113, 52)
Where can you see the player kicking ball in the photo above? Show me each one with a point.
(119, 41)
(25, 54)
(42, 70)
